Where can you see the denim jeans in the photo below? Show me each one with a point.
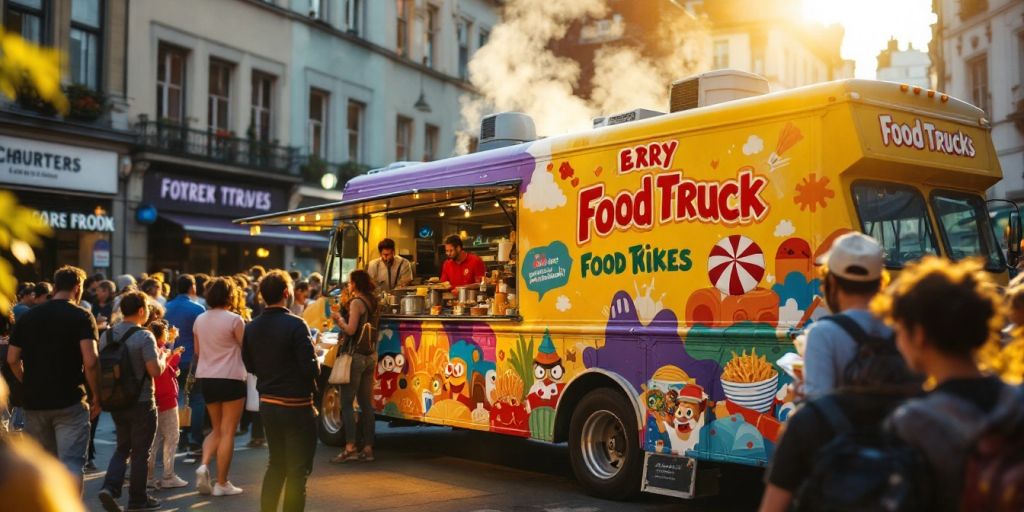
(359, 387)
(62, 432)
(198, 405)
(136, 428)
(291, 441)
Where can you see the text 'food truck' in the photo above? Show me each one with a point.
(643, 279)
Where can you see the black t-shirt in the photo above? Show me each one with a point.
(106, 311)
(49, 336)
(982, 392)
(807, 431)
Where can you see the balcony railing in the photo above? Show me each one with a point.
(216, 146)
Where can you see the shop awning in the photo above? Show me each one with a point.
(223, 230)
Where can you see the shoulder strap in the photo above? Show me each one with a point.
(849, 325)
(124, 337)
(835, 416)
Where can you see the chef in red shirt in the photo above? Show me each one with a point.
(461, 267)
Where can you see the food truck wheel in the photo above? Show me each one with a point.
(604, 447)
(330, 429)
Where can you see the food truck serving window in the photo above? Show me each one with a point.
(966, 230)
(896, 216)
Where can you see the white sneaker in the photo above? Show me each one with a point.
(203, 480)
(227, 489)
(172, 482)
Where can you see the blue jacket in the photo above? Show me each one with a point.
(182, 313)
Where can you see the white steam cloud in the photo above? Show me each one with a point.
(517, 71)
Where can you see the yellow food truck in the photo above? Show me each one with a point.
(645, 277)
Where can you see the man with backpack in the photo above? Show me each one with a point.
(853, 276)
(53, 353)
(970, 427)
(833, 453)
(278, 350)
(129, 361)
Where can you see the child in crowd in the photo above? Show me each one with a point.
(166, 439)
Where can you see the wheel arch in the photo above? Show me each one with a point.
(584, 383)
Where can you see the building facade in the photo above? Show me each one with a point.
(977, 53)
(770, 38)
(276, 110)
(908, 66)
(71, 167)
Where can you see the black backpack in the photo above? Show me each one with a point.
(877, 360)
(862, 471)
(119, 386)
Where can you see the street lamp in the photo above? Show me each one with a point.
(421, 103)
(329, 180)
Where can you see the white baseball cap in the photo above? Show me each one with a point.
(855, 257)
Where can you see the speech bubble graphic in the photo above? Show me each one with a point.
(547, 268)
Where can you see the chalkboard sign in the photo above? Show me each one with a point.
(669, 475)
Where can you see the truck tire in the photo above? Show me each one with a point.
(604, 445)
(330, 428)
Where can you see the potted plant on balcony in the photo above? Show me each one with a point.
(314, 169)
(86, 104)
(28, 99)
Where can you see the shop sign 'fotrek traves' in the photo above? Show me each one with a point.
(194, 195)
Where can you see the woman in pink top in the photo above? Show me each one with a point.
(220, 374)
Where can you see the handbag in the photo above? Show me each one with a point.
(252, 397)
(341, 372)
(185, 411)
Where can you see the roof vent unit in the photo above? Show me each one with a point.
(626, 117)
(506, 129)
(715, 87)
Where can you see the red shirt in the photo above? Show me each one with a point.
(470, 271)
(167, 385)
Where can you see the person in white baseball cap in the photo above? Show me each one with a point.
(853, 270)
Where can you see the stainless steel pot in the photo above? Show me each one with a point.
(436, 297)
(413, 305)
(468, 294)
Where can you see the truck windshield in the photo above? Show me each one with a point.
(896, 216)
(966, 229)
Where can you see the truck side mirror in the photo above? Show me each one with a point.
(1006, 215)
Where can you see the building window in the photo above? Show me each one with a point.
(355, 128)
(353, 17)
(462, 29)
(318, 9)
(721, 55)
(757, 60)
(402, 27)
(317, 126)
(977, 71)
(84, 52)
(262, 105)
(27, 18)
(218, 105)
(430, 139)
(430, 36)
(482, 38)
(403, 138)
(170, 83)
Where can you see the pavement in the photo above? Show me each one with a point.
(428, 469)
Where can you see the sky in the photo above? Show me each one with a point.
(870, 23)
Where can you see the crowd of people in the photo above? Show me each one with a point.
(908, 389)
(192, 378)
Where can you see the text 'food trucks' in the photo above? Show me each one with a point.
(641, 281)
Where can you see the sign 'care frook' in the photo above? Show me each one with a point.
(667, 197)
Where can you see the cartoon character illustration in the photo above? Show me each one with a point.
(389, 369)
(425, 364)
(688, 417)
(655, 434)
(548, 373)
(463, 358)
(508, 414)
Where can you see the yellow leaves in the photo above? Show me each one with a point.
(20, 230)
(25, 65)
